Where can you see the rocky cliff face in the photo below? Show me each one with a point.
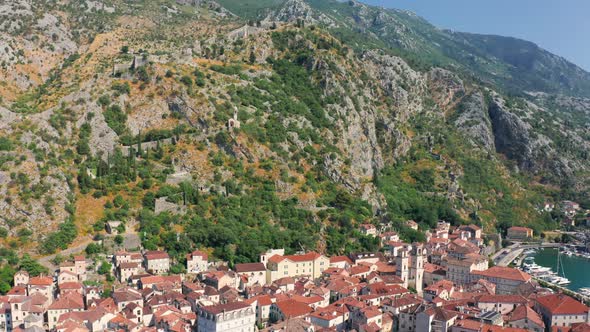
(533, 151)
(512, 136)
(33, 45)
(474, 121)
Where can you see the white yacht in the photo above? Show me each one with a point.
(535, 269)
(559, 280)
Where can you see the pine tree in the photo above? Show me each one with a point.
(252, 59)
(139, 144)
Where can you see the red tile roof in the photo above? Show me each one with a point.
(441, 314)
(17, 290)
(477, 326)
(371, 312)
(328, 313)
(525, 312)
(70, 285)
(156, 255)
(293, 308)
(160, 279)
(71, 301)
(310, 256)
(338, 259)
(561, 304)
(383, 289)
(385, 267)
(41, 281)
(129, 265)
(307, 299)
(285, 281)
(359, 269)
(430, 268)
(219, 308)
(250, 267)
(126, 295)
(462, 246)
(487, 298)
(198, 253)
(439, 286)
(276, 259)
(580, 327)
(335, 271)
(436, 240)
(504, 273)
(262, 300)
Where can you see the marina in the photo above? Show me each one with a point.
(561, 267)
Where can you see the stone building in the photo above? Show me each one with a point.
(229, 317)
(410, 266)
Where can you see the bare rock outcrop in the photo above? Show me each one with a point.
(473, 120)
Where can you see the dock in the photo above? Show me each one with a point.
(507, 255)
(578, 296)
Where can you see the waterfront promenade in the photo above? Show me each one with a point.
(507, 255)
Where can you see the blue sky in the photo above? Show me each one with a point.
(560, 26)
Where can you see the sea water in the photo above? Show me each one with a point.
(577, 269)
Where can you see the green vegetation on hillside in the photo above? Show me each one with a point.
(251, 9)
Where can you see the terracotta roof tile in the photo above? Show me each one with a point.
(580, 327)
(249, 267)
(525, 312)
(498, 298)
(359, 269)
(71, 285)
(219, 308)
(156, 255)
(338, 259)
(560, 304)
(504, 273)
(262, 300)
(71, 301)
(41, 281)
(310, 256)
(293, 308)
(198, 253)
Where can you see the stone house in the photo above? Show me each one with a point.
(157, 262)
(197, 262)
(560, 310)
(72, 302)
(519, 233)
(251, 274)
(229, 317)
(21, 278)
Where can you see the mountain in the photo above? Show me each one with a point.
(515, 65)
(292, 122)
